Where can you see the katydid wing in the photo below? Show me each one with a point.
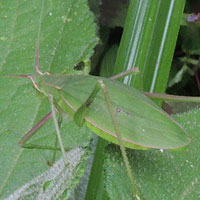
(142, 123)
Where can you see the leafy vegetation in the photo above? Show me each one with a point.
(75, 35)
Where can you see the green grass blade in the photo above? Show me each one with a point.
(95, 189)
(149, 39)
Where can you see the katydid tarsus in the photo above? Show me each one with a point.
(132, 120)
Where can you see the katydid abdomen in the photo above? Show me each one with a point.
(142, 123)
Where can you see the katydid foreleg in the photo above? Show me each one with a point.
(81, 113)
(130, 71)
(53, 111)
(56, 143)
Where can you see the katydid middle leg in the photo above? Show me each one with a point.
(29, 134)
(53, 110)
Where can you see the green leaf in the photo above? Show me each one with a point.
(67, 37)
(159, 174)
(57, 181)
(190, 39)
(114, 12)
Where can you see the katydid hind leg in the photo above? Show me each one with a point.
(81, 114)
(117, 130)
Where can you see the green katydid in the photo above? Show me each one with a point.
(77, 96)
(129, 122)
(88, 99)
(138, 131)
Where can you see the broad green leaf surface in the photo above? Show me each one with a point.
(159, 174)
(189, 44)
(55, 181)
(67, 37)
